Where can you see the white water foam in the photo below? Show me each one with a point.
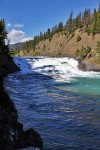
(59, 68)
(23, 64)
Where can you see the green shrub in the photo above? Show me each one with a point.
(72, 35)
(78, 38)
(44, 47)
(38, 47)
(83, 52)
(77, 52)
(89, 48)
(98, 47)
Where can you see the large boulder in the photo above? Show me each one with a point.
(86, 66)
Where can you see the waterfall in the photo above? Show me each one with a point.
(59, 68)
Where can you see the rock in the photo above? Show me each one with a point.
(86, 66)
(27, 138)
(12, 135)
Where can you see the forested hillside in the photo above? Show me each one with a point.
(72, 36)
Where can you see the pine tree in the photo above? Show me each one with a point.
(95, 25)
(41, 36)
(3, 33)
(60, 27)
(48, 34)
(86, 19)
(54, 29)
(69, 23)
(99, 8)
(98, 23)
(79, 20)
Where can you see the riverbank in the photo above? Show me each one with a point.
(56, 98)
(87, 66)
(12, 135)
(62, 45)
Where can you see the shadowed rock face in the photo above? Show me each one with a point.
(12, 135)
(86, 66)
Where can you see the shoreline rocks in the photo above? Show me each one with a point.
(86, 66)
(12, 135)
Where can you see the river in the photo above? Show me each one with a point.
(58, 100)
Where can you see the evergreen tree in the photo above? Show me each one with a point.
(69, 23)
(60, 27)
(95, 25)
(3, 33)
(54, 29)
(99, 8)
(86, 19)
(41, 36)
(98, 23)
(94, 21)
(87, 22)
(79, 20)
(48, 32)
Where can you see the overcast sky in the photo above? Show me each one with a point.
(26, 18)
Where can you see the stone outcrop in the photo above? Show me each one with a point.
(86, 66)
(62, 44)
(12, 135)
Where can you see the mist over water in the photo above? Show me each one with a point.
(61, 102)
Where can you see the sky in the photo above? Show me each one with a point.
(26, 18)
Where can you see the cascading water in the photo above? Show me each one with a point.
(58, 68)
(53, 96)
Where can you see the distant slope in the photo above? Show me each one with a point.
(79, 37)
(62, 45)
(14, 46)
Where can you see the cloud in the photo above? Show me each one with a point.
(26, 39)
(16, 36)
(9, 25)
(18, 25)
(15, 25)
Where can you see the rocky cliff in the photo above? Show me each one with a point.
(66, 45)
(63, 44)
(79, 45)
(12, 135)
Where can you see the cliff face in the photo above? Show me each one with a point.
(6, 64)
(12, 135)
(63, 44)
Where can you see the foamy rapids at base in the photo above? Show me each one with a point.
(63, 68)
